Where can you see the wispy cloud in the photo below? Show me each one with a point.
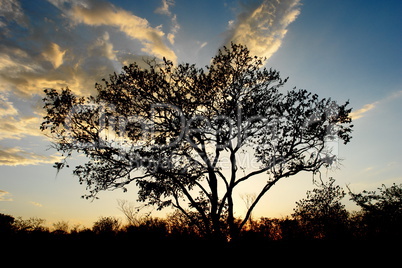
(19, 157)
(54, 54)
(103, 47)
(36, 204)
(6, 107)
(203, 45)
(262, 25)
(392, 97)
(361, 112)
(67, 55)
(59, 50)
(23, 73)
(5, 196)
(165, 7)
(10, 10)
(98, 13)
(174, 29)
(15, 125)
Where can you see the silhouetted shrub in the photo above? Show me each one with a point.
(318, 221)
(106, 227)
(322, 215)
(269, 228)
(381, 214)
(6, 225)
(30, 225)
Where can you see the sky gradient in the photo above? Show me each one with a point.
(346, 50)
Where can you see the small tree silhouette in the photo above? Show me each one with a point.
(170, 129)
(321, 214)
(381, 215)
(106, 226)
(32, 224)
(61, 227)
(6, 225)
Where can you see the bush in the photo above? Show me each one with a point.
(106, 225)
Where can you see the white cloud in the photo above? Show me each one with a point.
(16, 60)
(17, 128)
(24, 75)
(20, 157)
(203, 44)
(54, 54)
(393, 97)
(5, 196)
(262, 25)
(76, 60)
(6, 107)
(103, 48)
(10, 10)
(36, 204)
(102, 13)
(174, 29)
(15, 125)
(360, 112)
(165, 7)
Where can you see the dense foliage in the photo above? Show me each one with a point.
(169, 129)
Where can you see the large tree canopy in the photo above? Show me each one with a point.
(168, 128)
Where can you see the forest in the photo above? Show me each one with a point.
(318, 218)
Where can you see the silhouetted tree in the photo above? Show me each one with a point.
(178, 124)
(32, 224)
(269, 228)
(132, 212)
(291, 231)
(6, 225)
(321, 214)
(381, 215)
(106, 226)
(61, 227)
(181, 226)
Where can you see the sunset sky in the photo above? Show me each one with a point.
(343, 49)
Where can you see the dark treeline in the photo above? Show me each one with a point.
(318, 217)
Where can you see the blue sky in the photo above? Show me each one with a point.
(346, 50)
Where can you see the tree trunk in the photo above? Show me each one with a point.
(215, 216)
(234, 230)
